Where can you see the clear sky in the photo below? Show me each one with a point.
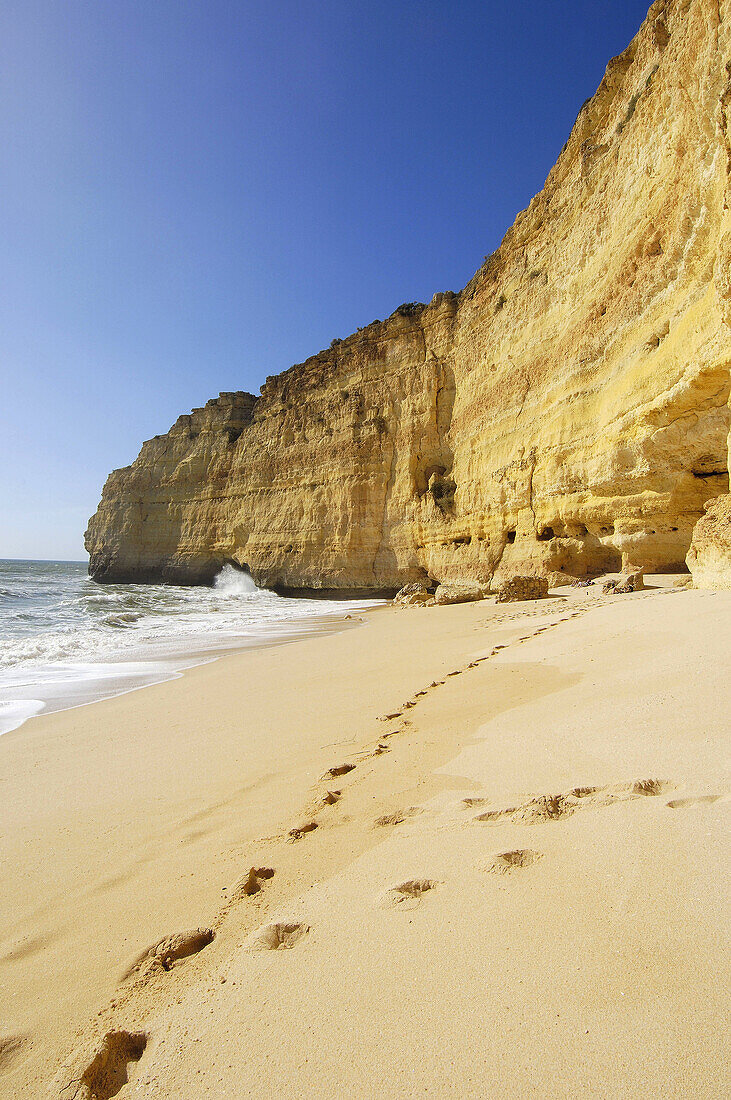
(195, 194)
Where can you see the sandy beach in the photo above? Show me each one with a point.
(365, 571)
(518, 886)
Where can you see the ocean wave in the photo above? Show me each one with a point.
(235, 582)
(102, 599)
(128, 618)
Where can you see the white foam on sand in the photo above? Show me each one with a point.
(14, 712)
(105, 641)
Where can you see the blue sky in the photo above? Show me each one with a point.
(195, 195)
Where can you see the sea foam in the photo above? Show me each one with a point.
(65, 640)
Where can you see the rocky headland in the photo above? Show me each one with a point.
(566, 412)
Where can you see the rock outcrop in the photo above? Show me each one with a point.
(566, 412)
(621, 586)
(458, 593)
(522, 588)
(709, 557)
(414, 595)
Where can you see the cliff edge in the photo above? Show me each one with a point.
(567, 411)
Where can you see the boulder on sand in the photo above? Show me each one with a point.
(632, 582)
(458, 593)
(522, 588)
(413, 594)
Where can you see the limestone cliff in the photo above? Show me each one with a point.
(566, 411)
(709, 557)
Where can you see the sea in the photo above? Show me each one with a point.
(66, 641)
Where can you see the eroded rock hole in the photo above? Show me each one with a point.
(704, 474)
(707, 466)
(442, 491)
(434, 471)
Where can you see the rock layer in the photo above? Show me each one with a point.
(566, 412)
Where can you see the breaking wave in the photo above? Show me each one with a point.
(235, 582)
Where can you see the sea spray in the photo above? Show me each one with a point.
(235, 582)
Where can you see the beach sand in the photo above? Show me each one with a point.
(520, 887)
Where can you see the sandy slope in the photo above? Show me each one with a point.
(592, 965)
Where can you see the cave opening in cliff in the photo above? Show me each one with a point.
(442, 491)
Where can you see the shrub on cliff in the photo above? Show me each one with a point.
(410, 309)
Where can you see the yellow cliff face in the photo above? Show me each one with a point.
(567, 411)
(709, 557)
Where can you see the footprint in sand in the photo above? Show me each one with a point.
(553, 807)
(505, 862)
(331, 797)
(279, 936)
(338, 770)
(388, 717)
(397, 817)
(299, 831)
(256, 876)
(697, 800)
(109, 1070)
(409, 894)
(168, 951)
